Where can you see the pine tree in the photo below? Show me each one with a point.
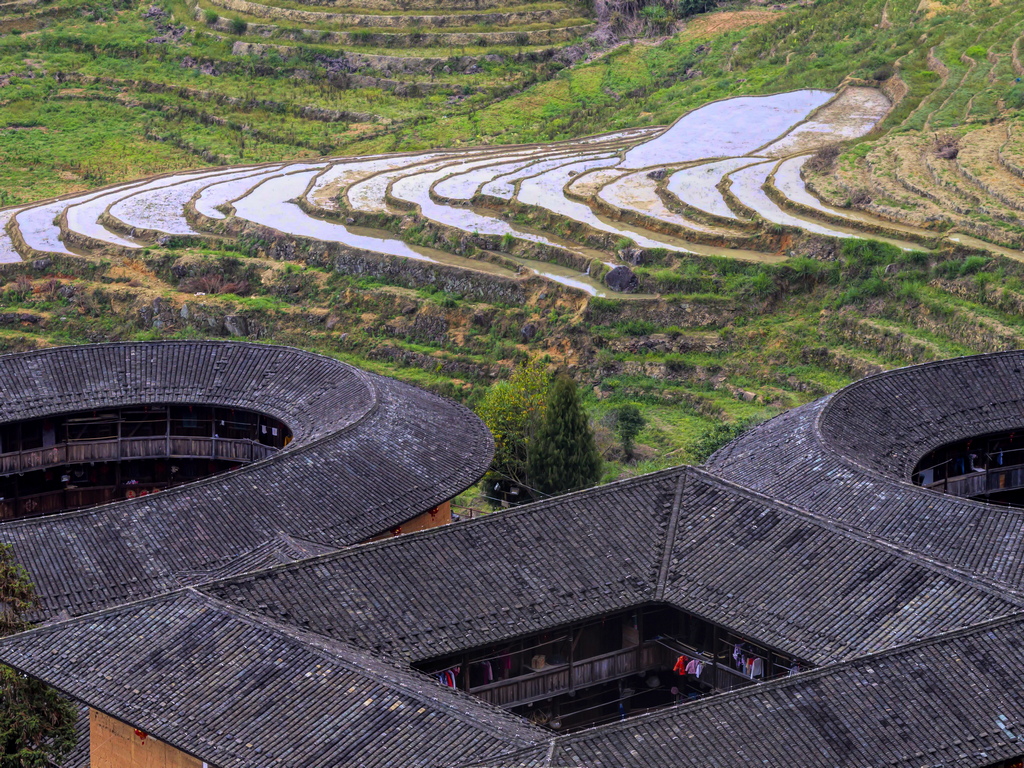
(37, 724)
(563, 456)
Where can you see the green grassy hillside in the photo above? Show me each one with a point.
(95, 93)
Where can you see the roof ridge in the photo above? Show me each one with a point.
(984, 584)
(670, 537)
(801, 677)
(108, 611)
(300, 447)
(352, 549)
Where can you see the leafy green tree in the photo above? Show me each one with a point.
(628, 423)
(37, 724)
(717, 436)
(511, 410)
(562, 455)
(690, 7)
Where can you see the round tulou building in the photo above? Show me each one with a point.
(840, 586)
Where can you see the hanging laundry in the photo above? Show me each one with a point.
(680, 665)
(449, 677)
(756, 667)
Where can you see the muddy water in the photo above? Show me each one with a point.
(854, 113)
(726, 128)
(8, 253)
(566, 276)
(162, 208)
(218, 194)
(696, 186)
(791, 184)
(590, 183)
(747, 187)
(973, 242)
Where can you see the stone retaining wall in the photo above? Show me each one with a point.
(428, 22)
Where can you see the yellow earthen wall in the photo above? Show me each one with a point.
(113, 744)
(442, 515)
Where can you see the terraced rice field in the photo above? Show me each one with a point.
(590, 205)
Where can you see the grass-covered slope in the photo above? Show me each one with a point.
(95, 94)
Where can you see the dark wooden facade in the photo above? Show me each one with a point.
(71, 461)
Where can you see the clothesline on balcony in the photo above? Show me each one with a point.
(510, 651)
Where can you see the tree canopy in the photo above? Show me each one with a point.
(562, 455)
(37, 724)
(628, 423)
(511, 410)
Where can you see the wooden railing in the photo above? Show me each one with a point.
(988, 481)
(49, 502)
(728, 679)
(114, 449)
(564, 678)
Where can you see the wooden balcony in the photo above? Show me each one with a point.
(564, 678)
(975, 484)
(117, 449)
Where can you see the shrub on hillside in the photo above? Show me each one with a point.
(947, 146)
(883, 73)
(824, 160)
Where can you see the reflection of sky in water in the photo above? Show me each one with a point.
(225, 192)
(350, 171)
(7, 252)
(746, 186)
(368, 196)
(416, 189)
(505, 186)
(853, 113)
(266, 205)
(639, 192)
(464, 185)
(696, 186)
(37, 227)
(162, 209)
(84, 218)
(790, 184)
(546, 192)
(726, 128)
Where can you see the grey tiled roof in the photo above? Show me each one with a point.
(804, 534)
(940, 702)
(790, 580)
(241, 691)
(848, 457)
(369, 452)
(477, 582)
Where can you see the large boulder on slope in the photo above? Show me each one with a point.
(622, 280)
